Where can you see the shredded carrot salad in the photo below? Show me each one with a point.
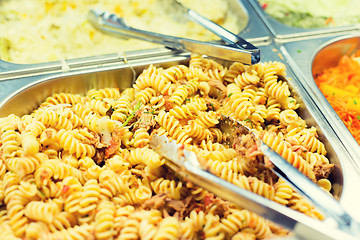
(341, 86)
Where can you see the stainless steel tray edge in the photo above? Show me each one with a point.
(14, 70)
(11, 85)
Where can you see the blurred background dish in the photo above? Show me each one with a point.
(313, 14)
(60, 30)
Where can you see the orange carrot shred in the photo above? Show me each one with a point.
(346, 73)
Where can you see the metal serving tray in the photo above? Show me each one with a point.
(253, 30)
(309, 57)
(282, 31)
(29, 96)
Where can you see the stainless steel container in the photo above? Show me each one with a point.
(282, 31)
(308, 58)
(122, 75)
(252, 29)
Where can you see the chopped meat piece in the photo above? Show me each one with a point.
(220, 207)
(115, 141)
(217, 89)
(146, 120)
(99, 156)
(171, 207)
(322, 170)
(168, 104)
(218, 85)
(183, 82)
(156, 202)
(247, 146)
(176, 205)
(212, 103)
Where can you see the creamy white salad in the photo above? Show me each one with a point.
(33, 31)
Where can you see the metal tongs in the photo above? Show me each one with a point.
(338, 224)
(236, 49)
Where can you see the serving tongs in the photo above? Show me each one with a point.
(338, 224)
(237, 49)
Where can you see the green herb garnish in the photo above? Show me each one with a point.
(42, 193)
(251, 123)
(137, 107)
(230, 94)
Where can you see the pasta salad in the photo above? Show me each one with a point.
(80, 167)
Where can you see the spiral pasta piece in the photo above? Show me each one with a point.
(62, 221)
(114, 186)
(223, 155)
(297, 161)
(247, 78)
(130, 230)
(84, 231)
(29, 136)
(10, 143)
(207, 119)
(236, 220)
(283, 192)
(188, 110)
(146, 156)
(51, 118)
(98, 106)
(197, 131)
(235, 70)
(175, 73)
(147, 230)
(238, 107)
(141, 138)
(103, 93)
(104, 225)
(172, 126)
(62, 98)
(16, 213)
(169, 187)
(89, 198)
(226, 170)
(168, 229)
(145, 95)
(315, 145)
(41, 211)
(213, 228)
(183, 91)
(71, 144)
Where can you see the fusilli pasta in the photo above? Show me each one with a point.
(80, 167)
